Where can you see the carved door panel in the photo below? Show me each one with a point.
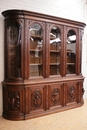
(72, 93)
(55, 96)
(35, 99)
(81, 92)
(13, 101)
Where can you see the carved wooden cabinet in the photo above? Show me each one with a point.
(42, 64)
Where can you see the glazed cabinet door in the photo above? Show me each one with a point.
(35, 53)
(72, 48)
(54, 50)
(14, 49)
(81, 32)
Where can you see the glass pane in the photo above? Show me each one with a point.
(14, 39)
(55, 48)
(81, 40)
(71, 52)
(36, 47)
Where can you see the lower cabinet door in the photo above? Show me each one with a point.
(74, 92)
(35, 100)
(55, 96)
(13, 106)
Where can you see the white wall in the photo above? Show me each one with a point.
(71, 9)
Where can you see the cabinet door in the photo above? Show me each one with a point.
(13, 49)
(13, 107)
(72, 48)
(35, 99)
(55, 94)
(81, 32)
(74, 92)
(36, 47)
(55, 50)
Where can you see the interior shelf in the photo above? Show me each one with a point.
(35, 64)
(54, 50)
(54, 63)
(36, 37)
(35, 50)
(70, 63)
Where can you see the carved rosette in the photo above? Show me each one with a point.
(71, 93)
(36, 98)
(14, 100)
(55, 96)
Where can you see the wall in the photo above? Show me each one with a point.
(75, 9)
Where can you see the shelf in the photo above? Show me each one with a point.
(36, 64)
(51, 38)
(69, 51)
(35, 50)
(54, 50)
(71, 42)
(54, 63)
(70, 63)
(36, 37)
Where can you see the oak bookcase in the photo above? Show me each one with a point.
(42, 64)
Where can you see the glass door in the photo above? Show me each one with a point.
(36, 50)
(55, 50)
(14, 51)
(71, 52)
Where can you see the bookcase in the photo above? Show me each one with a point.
(42, 64)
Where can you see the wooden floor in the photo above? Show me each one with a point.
(75, 119)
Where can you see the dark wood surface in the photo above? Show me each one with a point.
(25, 95)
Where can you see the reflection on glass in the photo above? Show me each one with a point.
(81, 49)
(71, 52)
(55, 48)
(14, 32)
(36, 46)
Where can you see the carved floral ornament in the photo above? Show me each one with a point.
(36, 98)
(71, 93)
(55, 96)
(14, 100)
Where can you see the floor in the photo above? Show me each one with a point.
(75, 119)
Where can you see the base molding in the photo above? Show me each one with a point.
(35, 115)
